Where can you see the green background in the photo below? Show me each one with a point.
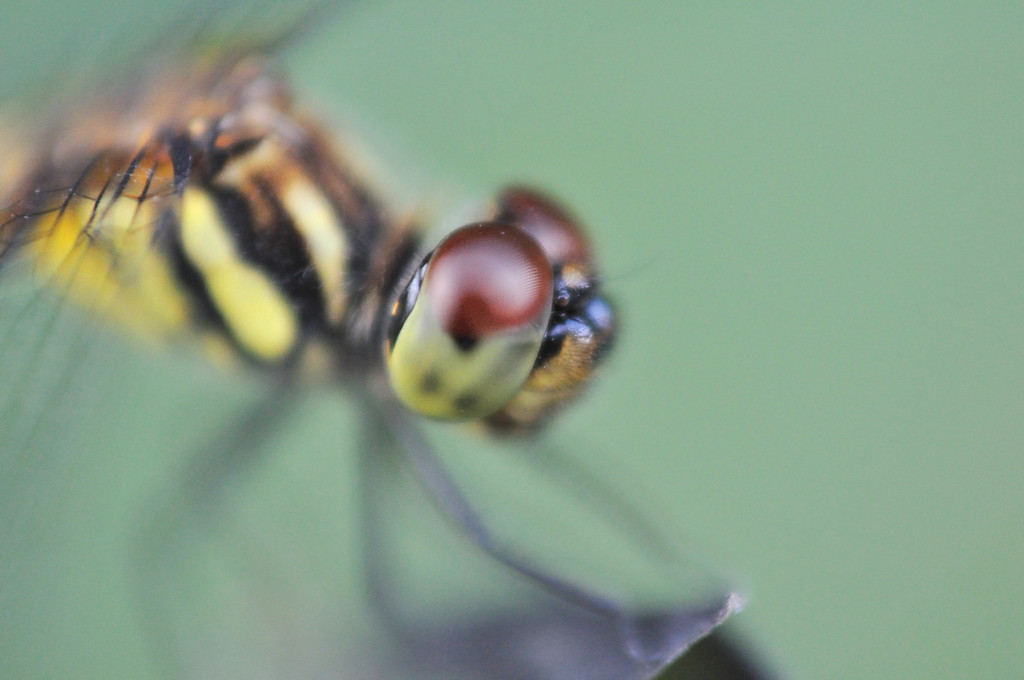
(811, 217)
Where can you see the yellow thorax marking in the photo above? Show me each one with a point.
(255, 310)
(315, 219)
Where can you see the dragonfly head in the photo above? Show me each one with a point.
(503, 321)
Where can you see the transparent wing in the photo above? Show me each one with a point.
(340, 565)
(591, 589)
(578, 585)
(88, 423)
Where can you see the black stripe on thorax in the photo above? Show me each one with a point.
(277, 248)
(361, 215)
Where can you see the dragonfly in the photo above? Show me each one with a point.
(196, 203)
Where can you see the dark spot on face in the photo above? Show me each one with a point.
(466, 401)
(465, 343)
(430, 383)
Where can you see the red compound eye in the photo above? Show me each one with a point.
(554, 228)
(488, 278)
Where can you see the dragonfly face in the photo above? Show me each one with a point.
(503, 321)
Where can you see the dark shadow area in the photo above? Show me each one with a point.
(720, 656)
